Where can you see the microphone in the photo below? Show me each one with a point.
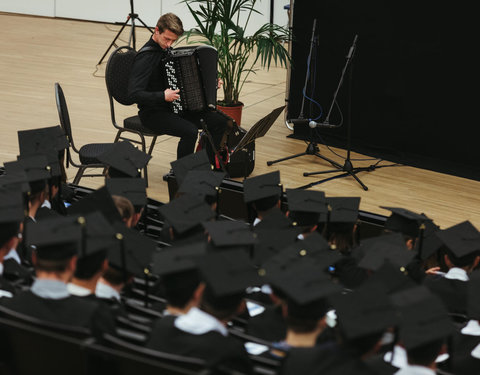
(326, 124)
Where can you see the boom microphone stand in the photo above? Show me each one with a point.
(347, 169)
(132, 16)
(312, 147)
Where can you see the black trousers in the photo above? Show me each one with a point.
(186, 127)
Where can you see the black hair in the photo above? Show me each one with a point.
(425, 354)
(114, 276)
(179, 287)
(220, 307)
(8, 231)
(89, 265)
(265, 204)
(52, 265)
(305, 318)
(461, 262)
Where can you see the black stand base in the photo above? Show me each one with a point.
(132, 39)
(347, 169)
(312, 149)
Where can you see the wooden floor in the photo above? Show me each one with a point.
(36, 52)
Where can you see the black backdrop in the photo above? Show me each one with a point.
(412, 79)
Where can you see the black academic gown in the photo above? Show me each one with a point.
(17, 273)
(6, 285)
(72, 311)
(452, 292)
(269, 325)
(323, 360)
(461, 359)
(212, 346)
(46, 213)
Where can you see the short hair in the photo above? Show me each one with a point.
(124, 206)
(89, 265)
(170, 21)
(8, 231)
(180, 286)
(304, 319)
(220, 307)
(114, 276)
(426, 354)
(52, 265)
(460, 262)
(265, 204)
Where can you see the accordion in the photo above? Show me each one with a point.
(193, 71)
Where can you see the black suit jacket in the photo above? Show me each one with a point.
(212, 346)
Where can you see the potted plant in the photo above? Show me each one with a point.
(218, 25)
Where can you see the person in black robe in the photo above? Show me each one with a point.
(56, 243)
(202, 332)
(461, 255)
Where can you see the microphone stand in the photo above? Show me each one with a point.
(348, 169)
(132, 16)
(312, 147)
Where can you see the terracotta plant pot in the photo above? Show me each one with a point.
(234, 112)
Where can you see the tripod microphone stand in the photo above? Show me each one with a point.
(312, 147)
(132, 16)
(347, 169)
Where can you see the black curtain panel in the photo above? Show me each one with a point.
(413, 90)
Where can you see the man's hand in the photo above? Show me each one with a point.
(219, 83)
(171, 95)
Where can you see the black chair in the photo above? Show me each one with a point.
(88, 153)
(117, 74)
(32, 346)
(127, 358)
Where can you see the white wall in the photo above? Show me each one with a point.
(117, 10)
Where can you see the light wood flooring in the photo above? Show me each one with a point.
(36, 52)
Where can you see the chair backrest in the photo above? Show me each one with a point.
(63, 113)
(129, 358)
(117, 74)
(29, 349)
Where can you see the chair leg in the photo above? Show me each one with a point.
(79, 175)
(152, 144)
(145, 175)
(117, 137)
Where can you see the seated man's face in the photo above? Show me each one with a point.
(165, 39)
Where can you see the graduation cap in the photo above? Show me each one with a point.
(306, 206)
(202, 182)
(228, 272)
(196, 161)
(55, 238)
(404, 221)
(263, 186)
(12, 206)
(12, 212)
(186, 212)
(304, 285)
(230, 233)
(52, 159)
(36, 168)
(270, 241)
(423, 317)
(461, 239)
(97, 233)
(430, 243)
(134, 189)
(98, 200)
(15, 178)
(342, 210)
(390, 276)
(132, 253)
(298, 253)
(178, 259)
(126, 158)
(389, 247)
(43, 139)
(364, 311)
